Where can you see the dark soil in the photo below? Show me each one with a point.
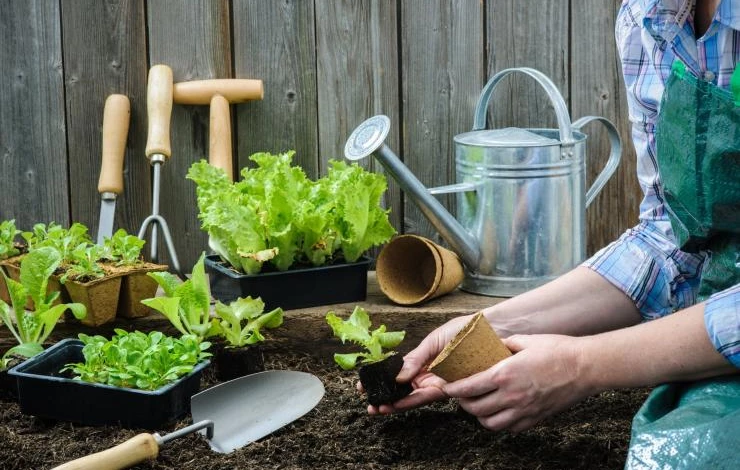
(338, 434)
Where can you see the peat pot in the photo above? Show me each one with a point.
(43, 391)
(294, 288)
(522, 194)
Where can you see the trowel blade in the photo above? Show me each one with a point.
(248, 408)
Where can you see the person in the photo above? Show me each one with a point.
(660, 305)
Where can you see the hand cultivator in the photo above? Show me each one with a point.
(161, 94)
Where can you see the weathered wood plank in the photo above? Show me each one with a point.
(598, 90)
(194, 39)
(103, 57)
(443, 72)
(526, 33)
(33, 157)
(357, 69)
(275, 42)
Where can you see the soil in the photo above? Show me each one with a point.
(338, 434)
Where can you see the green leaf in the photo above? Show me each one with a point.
(347, 361)
(169, 307)
(36, 269)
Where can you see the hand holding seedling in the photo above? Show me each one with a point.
(427, 386)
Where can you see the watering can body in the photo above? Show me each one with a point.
(521, 194)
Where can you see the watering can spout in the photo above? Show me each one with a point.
(367, 139)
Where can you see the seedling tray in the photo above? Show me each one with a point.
(44, 392)
(295, 288)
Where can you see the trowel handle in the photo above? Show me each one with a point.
(159, 111)
(137, 449)
(219, 136)
(615, 155)
(116, 117)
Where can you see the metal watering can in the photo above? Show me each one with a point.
(522, 205)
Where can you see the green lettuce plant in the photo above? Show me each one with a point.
(8, 234)
(186, 304)
(138, 360)
(377, 344)
(275, 214)
(123, 249)
(31, 328)
(240, 321)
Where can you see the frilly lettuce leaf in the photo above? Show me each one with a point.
(276, 215)
(377, 344)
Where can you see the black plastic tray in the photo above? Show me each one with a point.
(43, 392)
(295, 288)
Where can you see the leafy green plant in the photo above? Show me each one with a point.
(8, 234)
(123, 249)
(276, 215)
(186, 304)
(54, 235)
(356, 329)
(138, 360)
(83, 263)
(31, 328)
(239, 323)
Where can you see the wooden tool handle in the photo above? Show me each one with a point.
(219, 153)
(137, 449)
(235, 90)
(116, 118)
(159, 111)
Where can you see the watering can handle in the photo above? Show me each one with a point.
(614, 156)
(561, 110)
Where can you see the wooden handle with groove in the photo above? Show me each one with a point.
(159, 111)
(219, 138)
(135, 450)
(235, 90)
(116, 118)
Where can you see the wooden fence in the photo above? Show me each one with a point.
(326, 65)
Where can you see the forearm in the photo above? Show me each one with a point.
(578, 303)
(670, 349)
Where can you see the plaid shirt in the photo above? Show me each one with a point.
(645, 262)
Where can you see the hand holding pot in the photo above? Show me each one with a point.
(427, 386)
(541, 379)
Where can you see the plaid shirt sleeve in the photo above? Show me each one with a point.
(645, 262)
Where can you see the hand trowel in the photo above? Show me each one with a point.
(116, 117)
(231, 415)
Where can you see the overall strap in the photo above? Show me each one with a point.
(735, 84)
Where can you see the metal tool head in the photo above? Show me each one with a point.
(246, 409)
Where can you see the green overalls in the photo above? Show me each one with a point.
(696, 425)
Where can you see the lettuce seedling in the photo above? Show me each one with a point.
(8, 234)
(138, 360)
(186, 304)
(31, 328)
(356, 329)
(123, 249)
(239, 323)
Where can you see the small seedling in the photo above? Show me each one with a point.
(356, 329)
(379, 363)
(31, 328)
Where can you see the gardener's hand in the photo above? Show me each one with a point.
(542, 378)
(427, 386)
